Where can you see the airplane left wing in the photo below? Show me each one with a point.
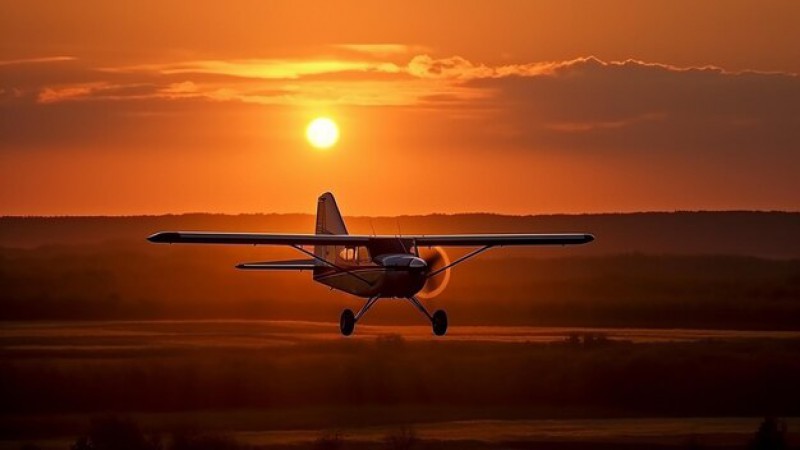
(500, 240)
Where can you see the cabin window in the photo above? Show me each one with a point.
(348, 254)
(363, 255)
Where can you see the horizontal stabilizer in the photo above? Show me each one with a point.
(294, 264)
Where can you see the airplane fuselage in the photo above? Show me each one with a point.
(390, 275)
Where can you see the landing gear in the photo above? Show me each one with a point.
(439, 322)
(438, 319)
(347, 322)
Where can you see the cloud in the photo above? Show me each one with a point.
(589, 103)
(587, 126)
(583, 103)
(98, 91)
(458, 68)
(182, 88)
(262, 68)
(53, 95)
(41, 60)
(279, 82)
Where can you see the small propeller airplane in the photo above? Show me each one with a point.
(371, 267)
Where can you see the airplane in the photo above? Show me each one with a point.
(368, 266)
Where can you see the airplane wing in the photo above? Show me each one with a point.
(294, 264)
(501, 240)
(198, 237)
(444, 240)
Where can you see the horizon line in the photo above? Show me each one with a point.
(472, 213)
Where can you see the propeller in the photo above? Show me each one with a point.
(436, 259)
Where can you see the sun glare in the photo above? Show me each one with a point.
(322, 132)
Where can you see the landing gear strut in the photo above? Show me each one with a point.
(347, 322)
(438, 319)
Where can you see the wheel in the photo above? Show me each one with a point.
(347, 322)
(439, 322)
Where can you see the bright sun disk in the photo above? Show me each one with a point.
(322, 132)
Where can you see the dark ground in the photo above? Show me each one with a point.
(252, 381)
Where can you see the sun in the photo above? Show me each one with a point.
(322, 132)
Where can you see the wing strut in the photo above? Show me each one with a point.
(469, 255)
(326, 262)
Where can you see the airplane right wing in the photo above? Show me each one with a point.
(203, 237)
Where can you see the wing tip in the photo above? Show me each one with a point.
(164, 237)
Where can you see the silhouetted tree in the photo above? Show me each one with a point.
(771, 435)
(115, 433)
(403, 439)
(202, 441)
(329, 441)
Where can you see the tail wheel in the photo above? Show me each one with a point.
(347, 322)
(439, 322)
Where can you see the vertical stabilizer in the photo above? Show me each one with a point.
(329, 220)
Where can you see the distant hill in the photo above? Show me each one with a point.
(761, 234)
(737, 270)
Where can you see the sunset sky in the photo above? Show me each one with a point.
(522, 107)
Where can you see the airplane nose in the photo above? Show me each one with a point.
(417, 263)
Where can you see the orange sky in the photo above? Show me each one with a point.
(517, 107)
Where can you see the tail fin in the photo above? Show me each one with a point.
(329, 220)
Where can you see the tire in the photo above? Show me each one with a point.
(347, 322)
(439, 322)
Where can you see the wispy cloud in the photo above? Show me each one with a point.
(41, 60)
(459, 68)
(595, 125)
(99, 91)
(72, 92)
(270, 69)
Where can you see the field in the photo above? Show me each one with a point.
(276, 384)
